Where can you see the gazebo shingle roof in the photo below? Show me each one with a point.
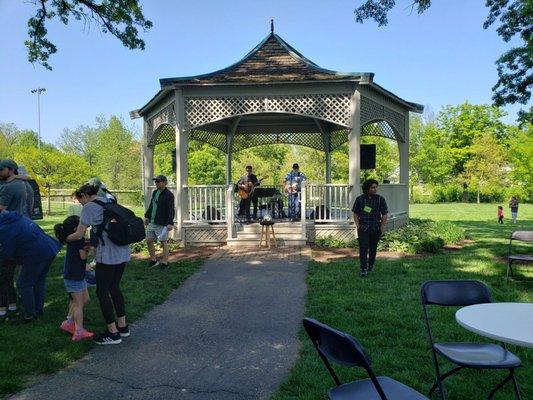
(273, 60)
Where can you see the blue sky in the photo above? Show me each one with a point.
(441, 57)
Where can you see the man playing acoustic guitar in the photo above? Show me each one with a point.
(246, 186)
(293, 186)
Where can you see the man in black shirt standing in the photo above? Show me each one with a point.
(370, 216)
(246, 185)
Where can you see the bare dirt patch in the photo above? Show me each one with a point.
(185, 253)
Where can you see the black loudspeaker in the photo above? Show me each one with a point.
(368, 156)
(174, 160)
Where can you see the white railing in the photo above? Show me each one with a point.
(302, 199)
(327, 202)
(206, 203)
(397, 197)
(230, 215)
(321, 202)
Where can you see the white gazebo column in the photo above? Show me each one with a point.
(328, 166)
(326, 142)
(404, 154)
(147, 167)
(182, 145)
(354, 148)
(229, 146)
(404, 167)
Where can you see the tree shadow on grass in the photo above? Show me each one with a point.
(383, 311)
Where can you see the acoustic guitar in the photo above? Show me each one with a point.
(249, 187)
(291, 188)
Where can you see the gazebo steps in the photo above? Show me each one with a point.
(255, 242)
(279, 227)
(287, 234)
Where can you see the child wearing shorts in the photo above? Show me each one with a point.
(74, 278)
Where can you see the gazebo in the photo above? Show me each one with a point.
(274, 95)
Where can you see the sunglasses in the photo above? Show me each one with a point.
(157, 181)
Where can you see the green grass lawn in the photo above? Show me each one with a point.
(384, 312)
(40, 348)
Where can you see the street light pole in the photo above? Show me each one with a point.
(39, 90)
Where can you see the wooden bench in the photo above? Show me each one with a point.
(522, 236)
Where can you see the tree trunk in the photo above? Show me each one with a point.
(465, 193)
(49, 212)
(477, 195)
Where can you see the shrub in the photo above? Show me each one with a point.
(418, 236)
(422, 236)
(331, 242)
(448, 193)
(141, 247)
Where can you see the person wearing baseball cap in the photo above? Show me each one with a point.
(159, 220)
(293, 185)
(15, 195)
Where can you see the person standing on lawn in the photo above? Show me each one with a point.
(111, 260)
(370, 216)
(513, 205)
(159, 220)
(74, 278)
(16, 194)
(23, 240)
(500, 214)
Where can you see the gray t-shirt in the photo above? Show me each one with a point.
(14, 196)
(108, 253)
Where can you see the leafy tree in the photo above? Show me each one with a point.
(163, 160)
(520, 155)
(207, 165)
(118, 155)
(26, 138)
(432, 160)
(268, 160)
(7, 139)
(52, 168)
(462, 124)
(83, 141)
(121, 18)
(339, 164)
(515, 67)
(485, 170)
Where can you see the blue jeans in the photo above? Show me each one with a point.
(31, 285)
(294, 206)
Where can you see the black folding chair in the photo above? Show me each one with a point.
(343, 349)
(522, 236)
(465, 355)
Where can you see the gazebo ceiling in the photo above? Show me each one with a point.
(272, 60)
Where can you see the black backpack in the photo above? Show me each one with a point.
(121, 224)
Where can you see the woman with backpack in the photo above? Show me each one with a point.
(111, 261)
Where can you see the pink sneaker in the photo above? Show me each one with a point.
(82, 335)
(68, 327)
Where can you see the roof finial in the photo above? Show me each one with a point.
(271, 26)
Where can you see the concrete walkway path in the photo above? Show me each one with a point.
(229, 332)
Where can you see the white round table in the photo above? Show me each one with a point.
(506, 322)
